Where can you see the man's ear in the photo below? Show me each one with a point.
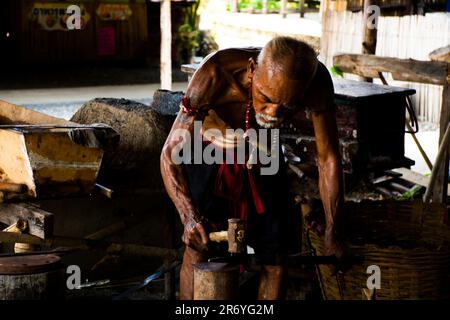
(251, 68)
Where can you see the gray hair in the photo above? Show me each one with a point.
(304, 61)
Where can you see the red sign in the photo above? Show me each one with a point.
(106, 41)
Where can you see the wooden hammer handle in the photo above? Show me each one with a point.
(220, 236)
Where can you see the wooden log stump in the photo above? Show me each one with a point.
(143, 130)
(216, 281)
(37, 277)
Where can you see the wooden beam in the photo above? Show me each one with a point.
(166, 45)
(441, 54)
(40, 222)
(431, 72)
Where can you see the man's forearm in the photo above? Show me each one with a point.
(331, 192)
(177, 188)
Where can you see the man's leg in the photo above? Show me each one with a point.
(190, 258)
(271, 283)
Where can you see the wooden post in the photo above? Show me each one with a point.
(283, 9)
(324, 15)
(440, 187)
(166, 45)
(234, 7)
(302, 8)
(264, 6)
(370, 33)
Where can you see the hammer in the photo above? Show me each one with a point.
(235, 236)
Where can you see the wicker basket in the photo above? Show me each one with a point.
(407, 240)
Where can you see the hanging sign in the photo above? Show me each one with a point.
(53, 16)
(116, 12)
(106, 41)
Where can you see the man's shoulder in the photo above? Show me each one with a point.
(320, 94)
(235, 51)
(229, 57)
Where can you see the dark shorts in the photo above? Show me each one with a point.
(268, 233)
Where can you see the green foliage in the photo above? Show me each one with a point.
(414, 193)
(207, 43)
(272, 5)
(335, 71)
(188, 37)
(188, 32)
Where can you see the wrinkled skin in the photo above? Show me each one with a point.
(222, 83)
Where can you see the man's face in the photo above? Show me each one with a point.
(275, 96)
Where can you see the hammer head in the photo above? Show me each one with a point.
(236, 236)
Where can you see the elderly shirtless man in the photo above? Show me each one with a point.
(252, 88)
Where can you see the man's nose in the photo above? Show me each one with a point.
(272, 109)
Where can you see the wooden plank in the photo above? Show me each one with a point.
(413, 176)
(431, 72)
(417, 178)
(40, 222)
(13, 114)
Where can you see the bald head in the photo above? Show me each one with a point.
(295, 59)
(280, 78)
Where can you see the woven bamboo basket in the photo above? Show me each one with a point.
(407, 240)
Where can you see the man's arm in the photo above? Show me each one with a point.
(176, 184)
(330, 178)
(320, 100)
(202, 92)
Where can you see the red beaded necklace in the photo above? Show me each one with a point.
(247, 112)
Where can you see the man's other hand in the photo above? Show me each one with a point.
(195, 236)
